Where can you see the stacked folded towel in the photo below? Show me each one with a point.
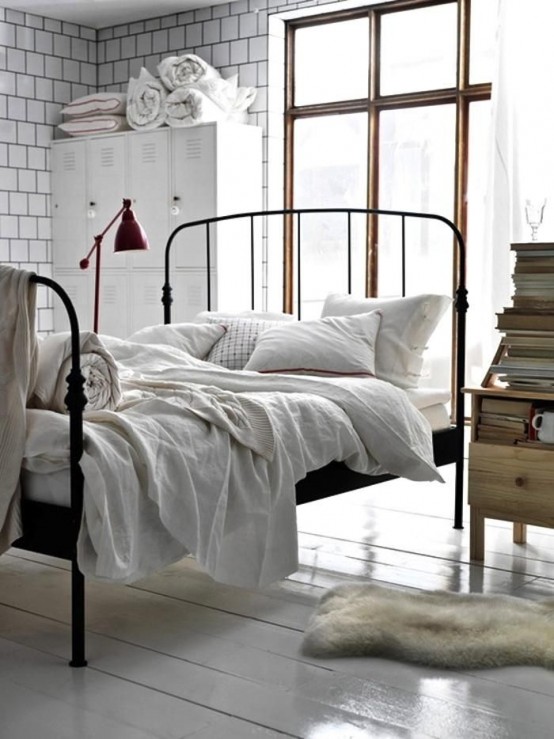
(100, 112)
(188, 91)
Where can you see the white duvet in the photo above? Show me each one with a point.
(204, 460)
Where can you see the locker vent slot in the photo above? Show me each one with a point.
(110, 295)
(107, 157)
(149, 153)
(151, 295)
(72, 292)
(195, 296)
(69, 161)
(193, 149)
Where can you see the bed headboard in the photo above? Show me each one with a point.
(292, 219)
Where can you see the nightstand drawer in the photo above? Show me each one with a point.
(512, 480)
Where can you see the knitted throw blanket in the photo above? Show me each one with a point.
(18, 366)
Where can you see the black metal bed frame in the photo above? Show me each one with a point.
(53, 530)
(448, 445)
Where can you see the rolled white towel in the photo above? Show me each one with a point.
(176, 71)
(145, 101)
(208, 100)
(98, 367)
(189, 106)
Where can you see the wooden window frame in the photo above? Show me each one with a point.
(462, 95)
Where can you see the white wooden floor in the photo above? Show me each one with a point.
(179, 656)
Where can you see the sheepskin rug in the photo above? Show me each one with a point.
(438, 628)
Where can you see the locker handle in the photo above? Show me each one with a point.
(175, 210)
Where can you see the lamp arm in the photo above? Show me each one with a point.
(130, 235)
(98, 239)
(84, 263)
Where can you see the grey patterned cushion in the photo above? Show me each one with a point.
(234, 348)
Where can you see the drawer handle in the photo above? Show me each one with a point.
(520, 482)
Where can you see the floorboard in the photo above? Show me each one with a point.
(177, 655)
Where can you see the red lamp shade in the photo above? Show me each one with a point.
(130, 235)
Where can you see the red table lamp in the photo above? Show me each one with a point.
(130, 236)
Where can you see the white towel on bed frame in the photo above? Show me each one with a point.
(18, 365)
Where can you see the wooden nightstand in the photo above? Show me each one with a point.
(506, 480)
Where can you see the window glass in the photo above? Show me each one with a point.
(418, 49)
(330, 170)
(416, 173)
(331, 62)
(417, 165)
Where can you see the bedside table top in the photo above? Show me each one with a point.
(507, 392)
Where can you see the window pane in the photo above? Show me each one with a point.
(418, 49)
(330, 170)
(482, 38)
(417, 153)
(331, 62)
(330, 161)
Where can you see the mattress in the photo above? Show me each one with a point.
(434, 404)
(54, 488)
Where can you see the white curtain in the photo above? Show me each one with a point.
(522, 153)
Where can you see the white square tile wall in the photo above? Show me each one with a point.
(45, 63)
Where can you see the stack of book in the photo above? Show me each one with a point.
(504, 421)
(527, 360)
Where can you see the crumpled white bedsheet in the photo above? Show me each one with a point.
(161, 481)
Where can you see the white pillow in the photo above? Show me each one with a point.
(406, 326)
(194, 338)
(327, 346)
(94, 124)
(209, 315)
(98, 102)
(233, 350)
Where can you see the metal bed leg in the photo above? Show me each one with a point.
(459, 495)
(77, 616)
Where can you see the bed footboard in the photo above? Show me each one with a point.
(54, 530)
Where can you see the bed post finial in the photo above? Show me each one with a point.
(460, 302)
(167, 300)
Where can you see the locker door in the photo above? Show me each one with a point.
(146, 299)
(114, 313)
(105, 193)
(79, 286)
(69, 234)
(189, 297)
(239, 189)
(148, 184)
(194, 173)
